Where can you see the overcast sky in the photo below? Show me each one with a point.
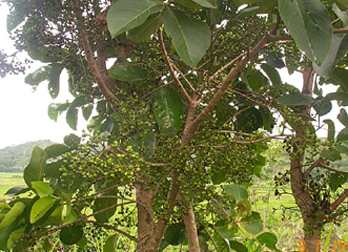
(23, 112)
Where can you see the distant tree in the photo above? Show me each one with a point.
(180, 119)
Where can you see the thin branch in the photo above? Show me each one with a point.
(170, 64)
(229, 64)
(233, 75)
(339, 200)
(97, 70)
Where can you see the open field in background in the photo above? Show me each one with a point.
(286, 225)
(8, 180)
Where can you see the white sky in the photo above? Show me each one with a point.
(23, 112)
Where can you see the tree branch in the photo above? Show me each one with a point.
(339, 200)
(172, 67)
(98, 71)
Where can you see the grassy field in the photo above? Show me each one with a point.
(8, 180)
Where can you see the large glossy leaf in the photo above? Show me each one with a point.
(190, 37)
(127, 72)
(143, 32)
(43, 189)
(40, 208)
(169, 111)
(309, 24)
(12, 215)
(56, 150)
(34, 171)
(125, 15)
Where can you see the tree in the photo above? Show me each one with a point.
(177, 116)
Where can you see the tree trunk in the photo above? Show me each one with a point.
(191, 230)
(312, 238)
(144, 200)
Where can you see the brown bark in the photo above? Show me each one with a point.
(191, 230)
(145, 230)
(312, 240)
(310, 214)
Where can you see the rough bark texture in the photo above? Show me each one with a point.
(312, 241)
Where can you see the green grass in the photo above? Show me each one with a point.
(8, 180)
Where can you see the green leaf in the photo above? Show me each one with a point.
(12, 215)
(54, 79)
(331, 155)
(72, 140)
(104, 205)
(190, 37)
(127, 72)
(143, 32)
(295, 99)
(309, 24)
(72, 117)
(175, 234)
(55, 109)
(343, 135)
(272, 74)
(34, 171)
(339, 76)
(268, 239)
(206, 3)
(16, 190)
(56, 150)
(336, 181)
(43, 189)
(71, 235)
(169, 111)
(255, 79)
(249, 120)
(125, 15)
(331, 130)
(40, 208)
(237, 246)
(237, 192)
(343, 117)
(14, 237)
(322, 107)
(252, 223)
(35, 78)
(111, 244)
(87, 111)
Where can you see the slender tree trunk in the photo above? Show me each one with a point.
(310, 214)
(191, 230)
(144, 200)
